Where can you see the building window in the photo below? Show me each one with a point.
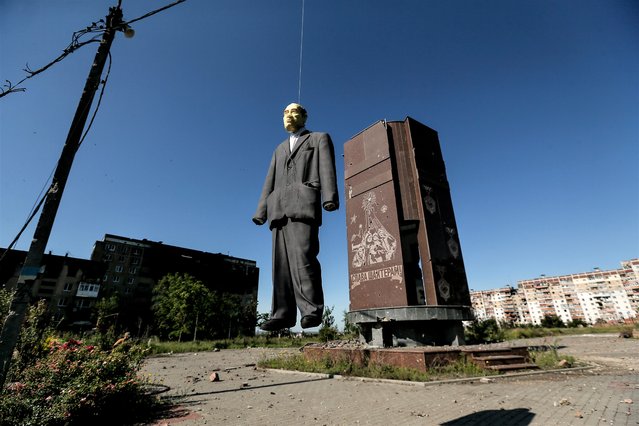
(121, 258)
(128, 290)
(105, 278)
(108, 256)
(136, 252)
(63, 302)
(133, 270)
(116, 279)
(119, 268)
(135, 261)
(110, 247)
(131, 280)
(88, 287)
(68, 287)
(83, 303)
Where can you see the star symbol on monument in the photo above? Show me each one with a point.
(353, 218)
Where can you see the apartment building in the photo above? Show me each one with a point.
(129, 269)
(69, 285)
(499, 304)
(134, 266)
(594, 296)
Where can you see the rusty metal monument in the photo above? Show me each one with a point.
(407, 280)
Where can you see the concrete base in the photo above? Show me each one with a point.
(422, 359)
(412, 326)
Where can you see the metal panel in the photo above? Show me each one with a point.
(403, 245)
(376, 272)
(406, 172)
(444, 272)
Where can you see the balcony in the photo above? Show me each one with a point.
(88, 290)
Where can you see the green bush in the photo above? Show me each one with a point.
(55, 381)
(76, 384)
(35, 331)
(552, 321)
(577, 323)
(5, 303)
(549, 358)
(484, 331)
(351, 330)
(526, 333)
(328, 331)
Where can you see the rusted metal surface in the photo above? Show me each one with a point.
(376, 276)
(403, 244)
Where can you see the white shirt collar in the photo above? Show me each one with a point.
(294, 136)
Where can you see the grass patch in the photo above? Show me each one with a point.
(327, 365)
(551, 360)
(528, 332)
(157, 347)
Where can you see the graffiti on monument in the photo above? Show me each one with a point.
(429, 201)
(453, 247)
(373, 244)
(442, 285)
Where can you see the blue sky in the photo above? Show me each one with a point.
(536, 104)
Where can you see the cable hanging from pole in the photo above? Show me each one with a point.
(299, 80)
(95, 27)
(42, 196)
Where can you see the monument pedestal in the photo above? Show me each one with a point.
(411, 325)
(407, 280)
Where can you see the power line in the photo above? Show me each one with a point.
(42, 197)
(154, 12)
(32, 263)
(97, 106)
(95, 28)
(299, 80)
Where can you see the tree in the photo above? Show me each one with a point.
(328, 331)
(577, 323)
(552, 321)
(350, 329)
(105, 309)
(5, 303)
(185, 307)
(181, 305)
(247, 318)
(262, 317)
(484, 331)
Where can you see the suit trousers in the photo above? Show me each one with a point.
(297, 277)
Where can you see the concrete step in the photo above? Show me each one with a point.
(498, 360)
(483, 352)
(511, 367)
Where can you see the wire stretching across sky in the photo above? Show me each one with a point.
(299, 80)
(96, 27)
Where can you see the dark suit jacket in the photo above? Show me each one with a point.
(298, 183)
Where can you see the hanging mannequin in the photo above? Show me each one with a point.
(300, 182)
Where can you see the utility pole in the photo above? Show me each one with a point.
(33, 261)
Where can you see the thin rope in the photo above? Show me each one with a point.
(299, 84)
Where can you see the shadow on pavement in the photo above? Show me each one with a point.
(245, 388)
(516, 416)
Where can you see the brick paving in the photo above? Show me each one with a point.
(606, 394)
